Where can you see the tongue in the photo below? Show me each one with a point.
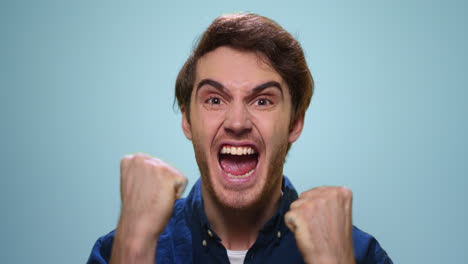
(238, 164)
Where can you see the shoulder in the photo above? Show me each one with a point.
(102, 249)
(367, 249)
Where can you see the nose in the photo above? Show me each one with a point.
(237, 120)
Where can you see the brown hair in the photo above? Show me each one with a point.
(252, 32)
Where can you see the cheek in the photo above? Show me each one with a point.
(205, 127)
(275, 129)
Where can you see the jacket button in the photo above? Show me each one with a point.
(204, 243)
(210, 233)
(278, 234)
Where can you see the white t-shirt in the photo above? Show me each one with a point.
(236, 256)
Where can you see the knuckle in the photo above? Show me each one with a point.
(306, 194)
(140, 156)
(337, 193)
(124, 161)
(319, 202)
(155, 160)
(333, 193)
(346, 193)
(304, 208)
(127, 158)
(164, 172)
(310, 211)
(295, 204)
(175, 173)
(183, 179)
(163, 169)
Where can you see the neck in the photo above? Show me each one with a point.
(238, 227)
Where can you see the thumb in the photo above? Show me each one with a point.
(290, 221)
(179, 186)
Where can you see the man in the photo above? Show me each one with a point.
(243, 94)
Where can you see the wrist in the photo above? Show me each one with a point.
(331, 260)
(131, 248)
(138, 229)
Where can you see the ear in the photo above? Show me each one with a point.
(186, 124)
(296, 129)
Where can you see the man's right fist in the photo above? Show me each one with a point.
(149, 188)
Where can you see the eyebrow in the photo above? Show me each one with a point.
(255, 90)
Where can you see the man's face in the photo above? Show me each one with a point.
(240, 127)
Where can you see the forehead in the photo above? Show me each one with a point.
(234, 67)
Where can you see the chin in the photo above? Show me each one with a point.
(243, 196)
(240, 175)
(238, 199)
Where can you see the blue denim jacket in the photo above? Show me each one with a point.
(188, 238)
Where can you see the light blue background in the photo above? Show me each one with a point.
(85, 82)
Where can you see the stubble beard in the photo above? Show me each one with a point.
(250, 199)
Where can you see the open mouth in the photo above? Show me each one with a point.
(238, 161)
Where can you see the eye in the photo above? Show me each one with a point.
(263, 102)
(213, 101)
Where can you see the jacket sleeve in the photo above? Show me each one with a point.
(100, 254)
(376, 254)
(367, 249)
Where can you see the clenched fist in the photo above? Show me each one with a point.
(321, 220)
(149, 188)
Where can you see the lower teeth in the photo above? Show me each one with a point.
(241, 176)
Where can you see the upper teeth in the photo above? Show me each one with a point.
(237, 150)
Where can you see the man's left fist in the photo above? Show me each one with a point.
(321, 220)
